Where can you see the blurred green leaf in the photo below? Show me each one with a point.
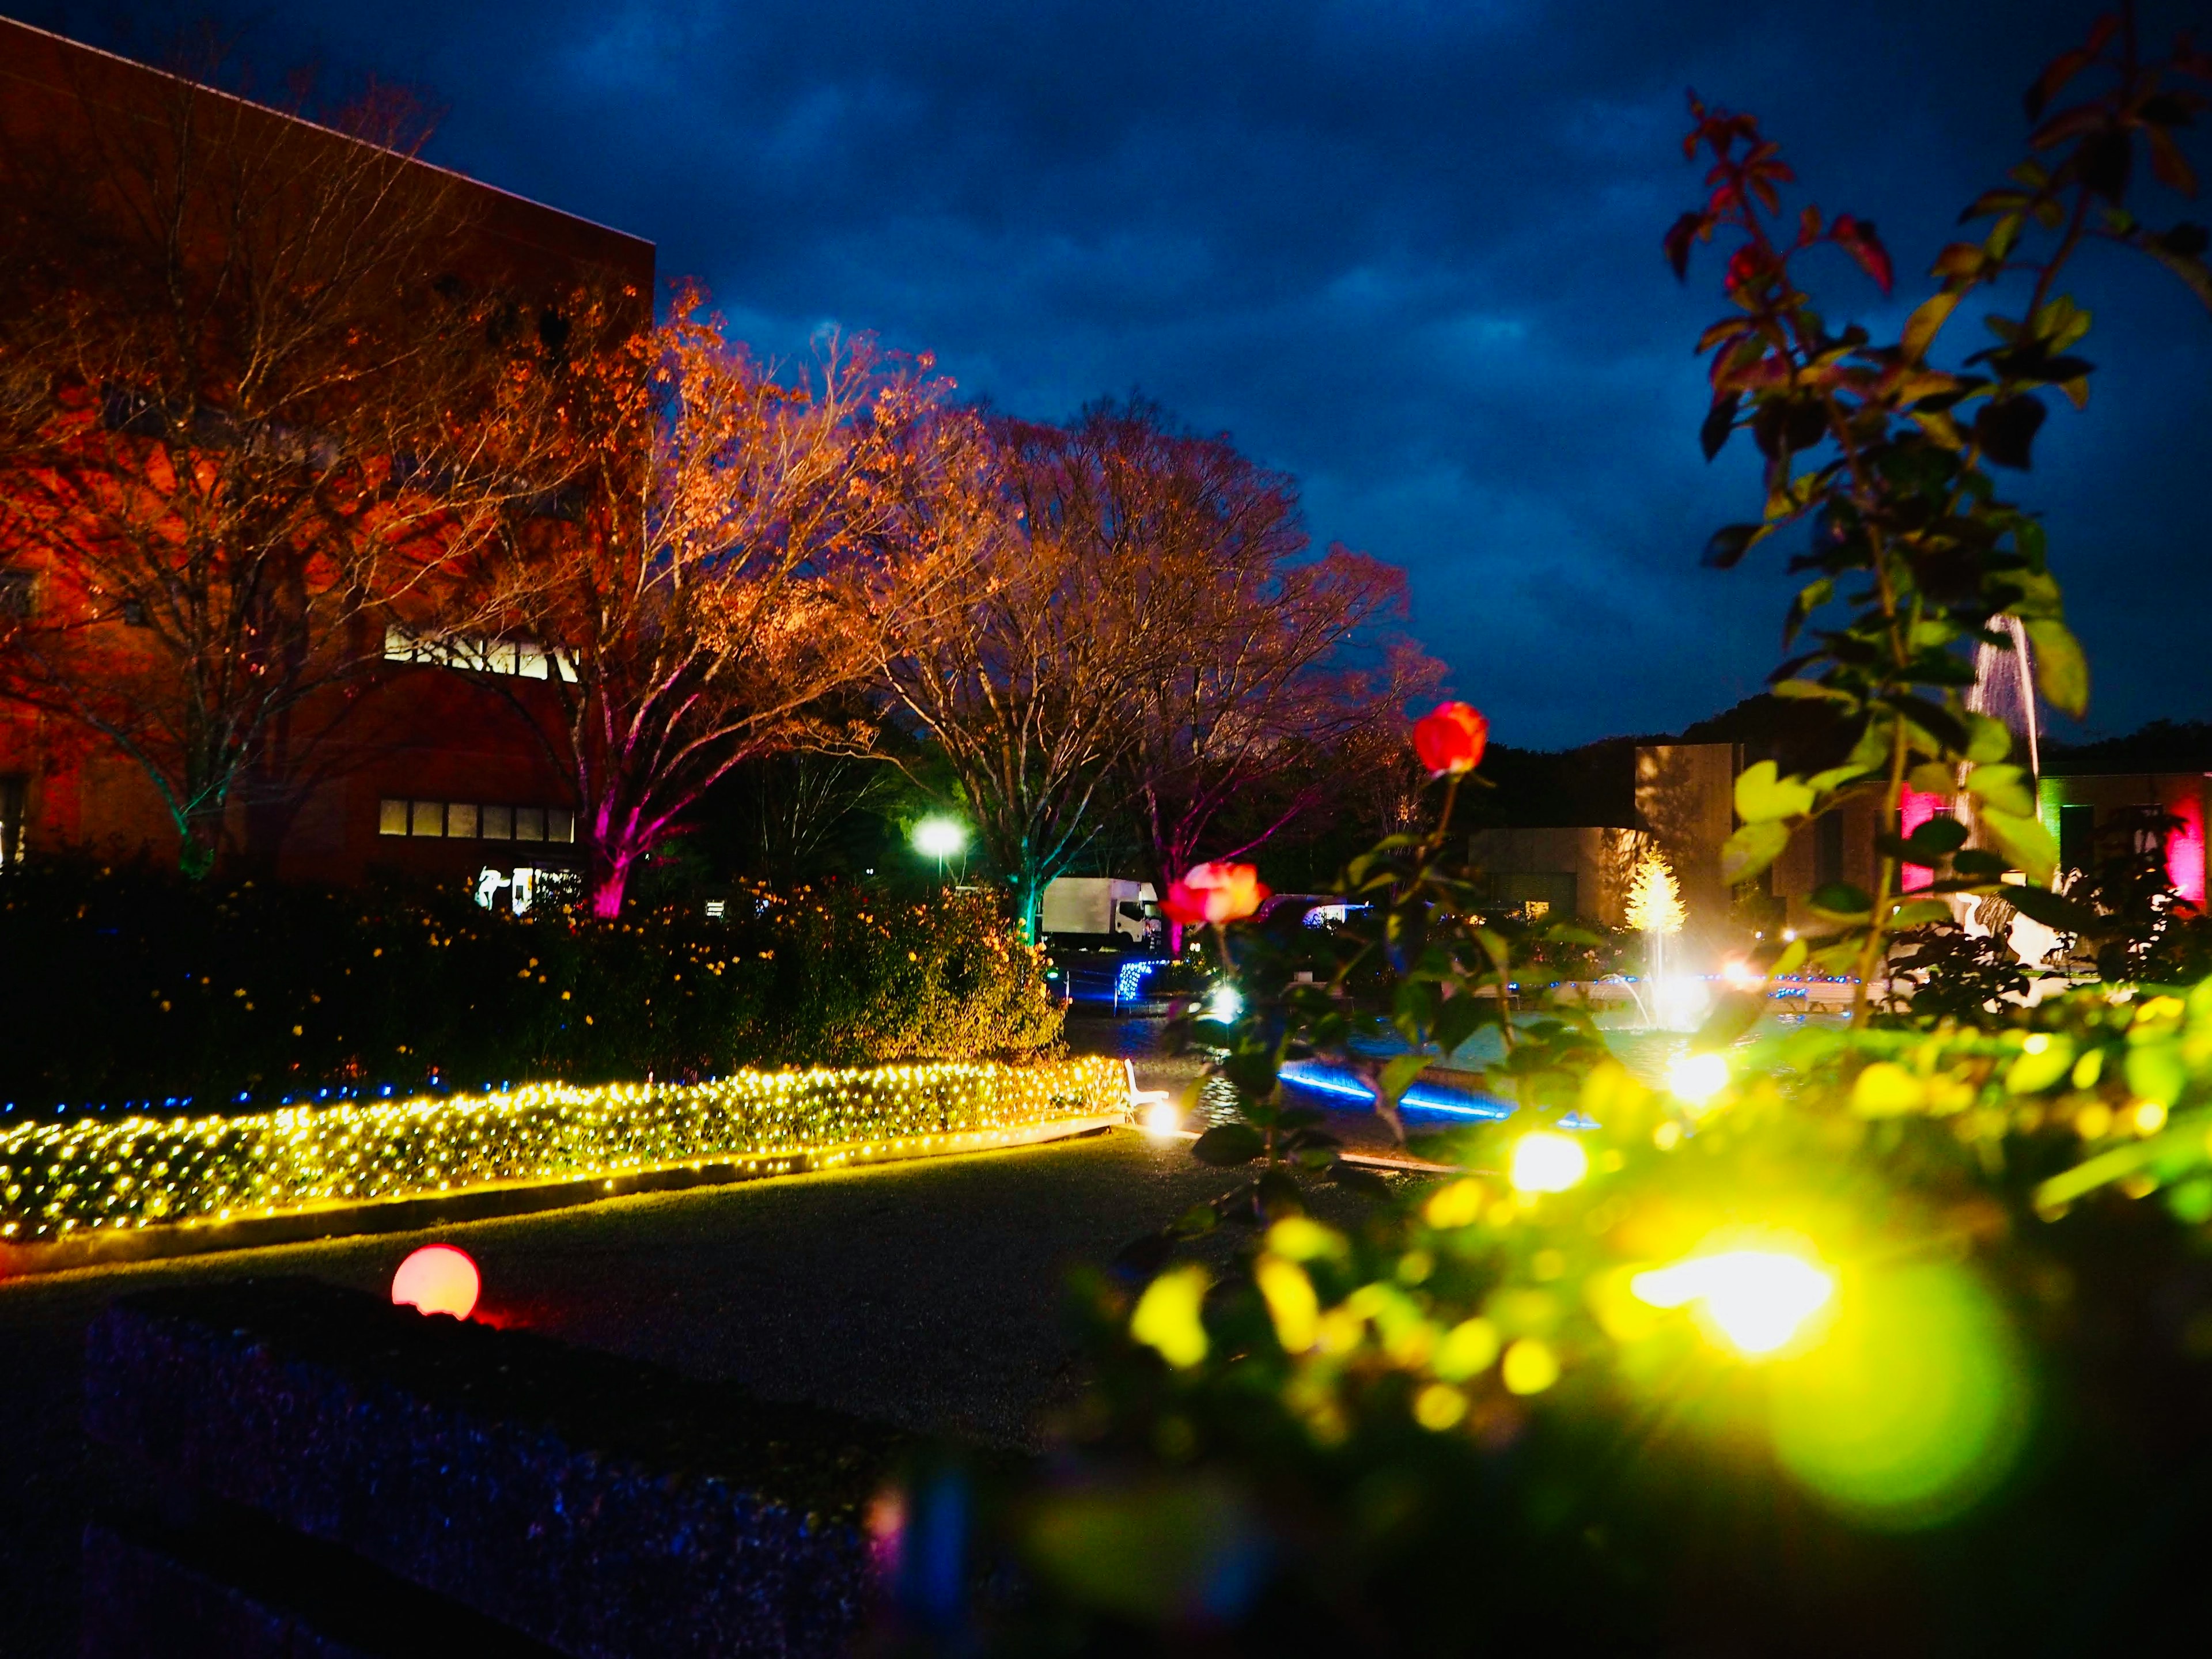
(2025, 841)
(1762, 795)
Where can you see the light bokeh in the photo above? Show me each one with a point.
(1914, 1408)
(438, 1278)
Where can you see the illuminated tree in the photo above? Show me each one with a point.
(738, 537)
(247, 413)
(1654, 899)
(1015, 666)
(1264, 675)
(1132, 637)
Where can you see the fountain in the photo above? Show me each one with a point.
(1666, 999)
(2004, 687)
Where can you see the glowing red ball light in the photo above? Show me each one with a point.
(437, 1279)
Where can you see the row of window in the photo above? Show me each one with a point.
(461, 820)
(525, 658)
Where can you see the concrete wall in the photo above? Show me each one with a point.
(1581, 870)
(1685, 802)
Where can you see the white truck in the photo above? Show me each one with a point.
(1099, 907)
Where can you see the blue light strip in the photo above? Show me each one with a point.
(1306, 1074)
(1129, 979)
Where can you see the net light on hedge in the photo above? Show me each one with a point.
(438, 1278)
(1755, 1299)
(1546, 1162)
(58, 1177)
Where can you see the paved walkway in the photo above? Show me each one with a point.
(924, 1294)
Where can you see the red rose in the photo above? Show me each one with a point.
(1214, 892)
(1451, 739)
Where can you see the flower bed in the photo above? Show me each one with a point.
(61, 1178)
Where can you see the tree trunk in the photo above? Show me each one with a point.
(195, 855)
(606, 877)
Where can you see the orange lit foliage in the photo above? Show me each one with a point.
(738, 529)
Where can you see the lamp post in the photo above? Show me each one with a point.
(940, 839)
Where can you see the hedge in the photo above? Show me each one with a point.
(59, 1176)
(130, 986)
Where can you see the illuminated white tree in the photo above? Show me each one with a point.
(1654, 899)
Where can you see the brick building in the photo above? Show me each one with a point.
(445, 766)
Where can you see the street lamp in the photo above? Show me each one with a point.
(940, 839)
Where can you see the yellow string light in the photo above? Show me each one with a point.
(140, 1171)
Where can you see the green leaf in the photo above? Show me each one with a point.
(1933, 778)
(1940, 837)
(2004, 788)
(1460, 1018)
(1840, 900)
(1921, 328)
(1733, 1016)
(1809, 690)
(1979, 865)
(2025, 841)
(1988, 738)
(1762, 796)
(1751, 849)
(2156, 1071)
(2037, 1070)
(1399, 1072)
(1730, 543)
(1227, 1144)
(1791, 959)
(2061, 672)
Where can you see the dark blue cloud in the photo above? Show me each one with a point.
(1405, 249)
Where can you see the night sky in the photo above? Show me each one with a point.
(1407, 250)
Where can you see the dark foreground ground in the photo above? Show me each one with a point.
(927, 1295)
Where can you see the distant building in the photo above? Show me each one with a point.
(1681, 806)
(2078, 808)
(439, 770)
(1684, 810)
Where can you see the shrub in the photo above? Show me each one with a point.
(130, 984)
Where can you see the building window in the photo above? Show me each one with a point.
(14, 794)
(523, 659)
(461, 820)
(2077, 834)
(1828, 850)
